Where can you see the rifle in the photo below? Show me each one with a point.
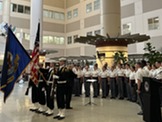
(52, 89)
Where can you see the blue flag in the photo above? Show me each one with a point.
(16, 60)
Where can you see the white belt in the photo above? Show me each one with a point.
(40, 80)
(61, 82)
(49, 81)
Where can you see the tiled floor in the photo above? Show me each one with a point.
(16, 109)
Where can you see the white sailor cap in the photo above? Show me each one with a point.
(62, 59)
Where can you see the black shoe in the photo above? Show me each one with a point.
(33, 110)
(103, 97)
(44, 113)
(60, 118)
(140, 113)
(39, 112)
(87, 95)
(112, 97)
(69, 108)
(94, 96)
(121, 98)
(49, 114)
(56, 117)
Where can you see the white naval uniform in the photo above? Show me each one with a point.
(104, 82)
(96, 85)
(87, 75)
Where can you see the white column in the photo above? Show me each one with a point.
(36, 16)
(6, 11)
(110, 17)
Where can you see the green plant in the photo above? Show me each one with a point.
(119, 57)
(132, 62)
(152, 55)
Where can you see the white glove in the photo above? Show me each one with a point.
(55, 77)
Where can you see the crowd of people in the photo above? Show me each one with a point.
(120, 81)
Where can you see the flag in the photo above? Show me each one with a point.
(35, 58)
(15, 61)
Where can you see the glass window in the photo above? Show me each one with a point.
(127, 28)
(89, 7)
(96, 4)
(51, 40)
(13, 7)
(50, 14)
(89, 33)
(75, 37)
(27, 36)
(69, 15)
(153, 23)
(57, 40)
(18, 35)
(69, 40)
(0, 6)
(62, 16)
(20, 8)
(62, 40)
(75, 12)
(45, 13)
(45, 39)
(97, 32)
(56, 15)
(27, 10)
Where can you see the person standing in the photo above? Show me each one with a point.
(87, 75)
(95, 75)
(126, 84)
(113, 75)
(158, 76)
(62, 75)
(120, 81)
(78, 81)
(69, 85)
(42, 74)
(104, 81)
(50, 81)
(34, 96)
(139, 80)
(133, 84)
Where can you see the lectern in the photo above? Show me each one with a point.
(151, 100)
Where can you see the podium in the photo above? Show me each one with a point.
(151, 100)
(90, 101)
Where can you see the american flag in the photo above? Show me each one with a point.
(35, 58)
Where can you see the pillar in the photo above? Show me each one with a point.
(110, 17)
(6, 11)
(36, 16)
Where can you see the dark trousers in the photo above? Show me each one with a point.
(140, 100)
(120, 87)
(60, 95)
(77, 86)
(81, 86)
(41, 89)
(133, 90)
(113, 87)
(50, 99)
(128, 89)
(104, 87)
(35, 94)
(98, 88)
(95, 87)
(160, 93)
(87, 87)
(69, 90)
